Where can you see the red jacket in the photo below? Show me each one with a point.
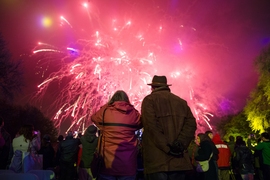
(119, 142)
(224, 153)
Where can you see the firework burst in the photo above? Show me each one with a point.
(124, 57)
(92, 75)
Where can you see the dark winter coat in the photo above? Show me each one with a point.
(89, 144)
(243, 160)
(48, 155)
(69, 149)
(4, 150)
(204, 152)
(165, 117)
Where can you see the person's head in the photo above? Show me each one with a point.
(46, 138)
(91, 130)
(27, 130)
(159, 81)
(231, 138)
(119, 96)
(217, 139)
(202, 137)
(239, 137)
(70, 134)
(265, 136)
(60, 138)
(209, 134)
(240, 142)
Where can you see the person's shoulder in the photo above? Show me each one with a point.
(101, 109)
(244, 149)
(76, 139)
(205, 142)
(83, 139)
(147, 98)
(18, 138)
(172, 95)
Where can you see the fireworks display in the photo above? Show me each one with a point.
(109, 53)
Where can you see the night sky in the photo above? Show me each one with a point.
(212, 43)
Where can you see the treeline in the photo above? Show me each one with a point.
(255, 117)
(15, 116)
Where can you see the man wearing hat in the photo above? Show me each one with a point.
(169, 127)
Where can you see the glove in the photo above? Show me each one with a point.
(176, 154)
(176, 149)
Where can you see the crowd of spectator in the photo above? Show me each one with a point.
(239, 158)
(164, 151)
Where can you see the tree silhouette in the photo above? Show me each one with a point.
(257, 108)
(15, 116)
(235, 125)
(11, 80)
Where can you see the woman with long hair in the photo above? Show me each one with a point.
(27, 140)
(118, 120)
(206, 152)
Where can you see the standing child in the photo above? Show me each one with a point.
(89, 144)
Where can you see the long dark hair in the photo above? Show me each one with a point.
(119, 96)
(203, 137)
(27, 131)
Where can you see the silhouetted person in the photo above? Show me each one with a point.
(193, 152)
(56, 149)
(119, 141)
(215, 150)
(231, 144)
(264, 146)
(224, 160)
(243, 160)
(5, 145)
(68, 157)
(89, 144)
(57, 156)
(48, 152)
(25, 141)
(169, 127)
(206, 152)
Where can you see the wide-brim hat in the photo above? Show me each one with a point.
(159, 81)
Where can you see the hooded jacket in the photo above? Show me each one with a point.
(119, 142)
(89, 144)
(224, 159)
(166, 118)
(243, 159)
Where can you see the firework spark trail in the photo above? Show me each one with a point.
(93, 77)
(64, 19)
